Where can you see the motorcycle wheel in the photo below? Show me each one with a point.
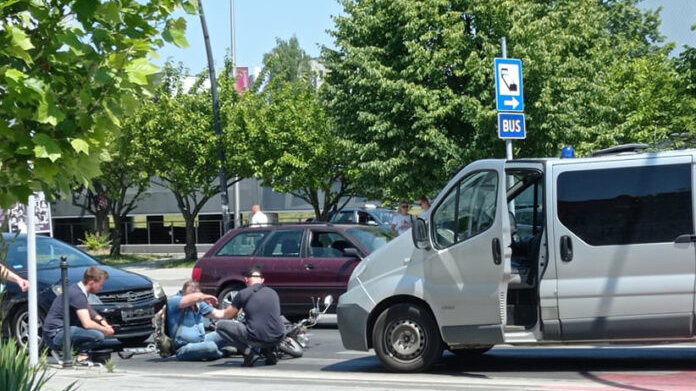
(291, 347)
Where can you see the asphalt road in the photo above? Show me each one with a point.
(327, 365)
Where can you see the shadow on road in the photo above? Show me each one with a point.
(567, 359)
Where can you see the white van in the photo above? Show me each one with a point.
(534, 251)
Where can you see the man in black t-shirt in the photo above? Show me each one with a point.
(87, 327)
(262, 326)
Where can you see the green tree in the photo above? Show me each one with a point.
(292, 146)
(176, 132)
(411, 83)
(69, 70)
(287, 61)
(290, 141)
(116, 192)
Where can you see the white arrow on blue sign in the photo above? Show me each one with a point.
(511, 125)
(509, 92)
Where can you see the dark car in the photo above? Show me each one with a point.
(299, 261)
(128, 300)
(369, 216)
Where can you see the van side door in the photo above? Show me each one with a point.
(622, 272)
(468, 267)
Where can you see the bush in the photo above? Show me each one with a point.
(96, 242)
(17, 374)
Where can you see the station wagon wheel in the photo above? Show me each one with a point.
(228, 293)
(406, 338)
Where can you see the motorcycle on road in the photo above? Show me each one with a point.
(296, 340)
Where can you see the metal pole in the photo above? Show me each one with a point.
(233, 53)
(33, 282)
(67, 360)
(224, 199)
(508, 142)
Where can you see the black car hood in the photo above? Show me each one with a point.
(119, 280)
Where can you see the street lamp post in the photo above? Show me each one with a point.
(224, 198)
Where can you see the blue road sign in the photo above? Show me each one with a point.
(511, 125)
(509, 92)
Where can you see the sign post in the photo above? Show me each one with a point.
(509, 99)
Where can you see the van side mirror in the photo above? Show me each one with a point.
(419, 231)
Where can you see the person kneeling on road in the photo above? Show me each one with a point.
(87, 327)
(185, 317)
(262, 326)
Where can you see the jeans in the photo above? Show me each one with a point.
(235, 333)
(82, 340)
(209, 349)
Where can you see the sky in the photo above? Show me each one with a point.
(260, 22)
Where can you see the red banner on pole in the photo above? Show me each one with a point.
(243, 83)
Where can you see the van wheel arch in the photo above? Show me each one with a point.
(390, 302)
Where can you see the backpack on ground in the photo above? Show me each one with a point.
(163, 343)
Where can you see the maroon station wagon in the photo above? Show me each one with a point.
(299, 261)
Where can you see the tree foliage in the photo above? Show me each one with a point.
(176, 133)
(69, 70)
(411, 83)
(290, 141)
(122, 183)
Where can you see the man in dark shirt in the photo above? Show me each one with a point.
(87, 327)
(262, 326)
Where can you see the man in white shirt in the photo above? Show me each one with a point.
(402, 221)
(258, 218)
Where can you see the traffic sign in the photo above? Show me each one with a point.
(509, 95)
(511, 125)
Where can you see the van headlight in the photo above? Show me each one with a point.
(157, 290)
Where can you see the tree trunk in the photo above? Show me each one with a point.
(102, 226)
(116, 237)
(190, 248)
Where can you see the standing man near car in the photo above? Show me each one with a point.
(402, 221)
(258, 218)
(262, 326)
(185, 324)
(9, 275)
(87, 327)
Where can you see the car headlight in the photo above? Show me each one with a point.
(157, 290)
(57, 289)
(93, 299)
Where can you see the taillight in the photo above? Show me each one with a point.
(196, 274)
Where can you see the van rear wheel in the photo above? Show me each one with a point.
(406, 338)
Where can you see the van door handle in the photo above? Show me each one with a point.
(566, 248)
(686, 238)
(309, 266)
(497, 255)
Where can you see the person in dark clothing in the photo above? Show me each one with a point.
(87, 327)
(262, 326)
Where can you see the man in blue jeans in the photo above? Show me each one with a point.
(87, 327)
(186, 325)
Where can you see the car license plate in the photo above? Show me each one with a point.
(137, 313)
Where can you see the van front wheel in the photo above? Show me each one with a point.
(406, 338)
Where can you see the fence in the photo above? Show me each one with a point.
(151, 232)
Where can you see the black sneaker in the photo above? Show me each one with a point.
(271, 358)
(250, 359)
